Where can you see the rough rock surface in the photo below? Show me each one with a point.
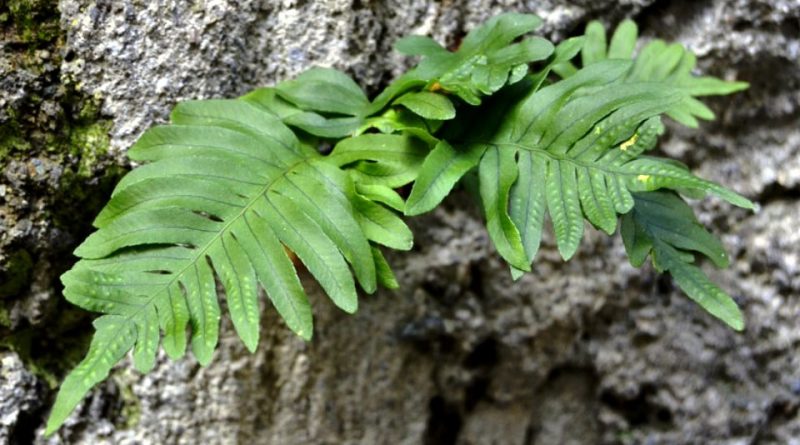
(21, 397)
(591, 351)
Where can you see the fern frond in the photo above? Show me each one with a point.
(569, 153)
(237, 191)
(663, 226)
(225, 191)
(487, 60)
(671, 64)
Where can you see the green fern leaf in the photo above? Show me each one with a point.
(590, 145)
(326, 90)
(623, 42)
(658, 61)
(236, 192)
(314, 123)
(114, 337)
(497, 175)
(221, 192)
(389, 160)
(428, 105)
(559, 138)
(573, 150)
(447, 163)
(321, 101)
(559, 62)
(382, 194)
(419, 46)
(594, 48)
(486, 61)
(382, 226)
(403, 121)
(386, 277)
(439, 173)
(662, 225)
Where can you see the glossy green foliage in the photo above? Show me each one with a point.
(487, 59)
(658, 61)
(663, 226)
(224, 194)
(572, 150)
(234, 194)
(322, 102)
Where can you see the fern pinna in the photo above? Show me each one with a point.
(233, 190)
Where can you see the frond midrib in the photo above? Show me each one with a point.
(562, 158)
(202, 252)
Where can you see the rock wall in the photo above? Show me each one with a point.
(586, 352)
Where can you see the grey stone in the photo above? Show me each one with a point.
(20, 401)
(590, 351)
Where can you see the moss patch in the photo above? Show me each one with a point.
(51, 116)
(131, 407)
(16, 274)
(30, 32)
(49, 355)
(89, 142)
(35, 21)
(5, 318)
(56, 175)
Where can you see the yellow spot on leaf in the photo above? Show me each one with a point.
(643, 178)
(627, 144)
